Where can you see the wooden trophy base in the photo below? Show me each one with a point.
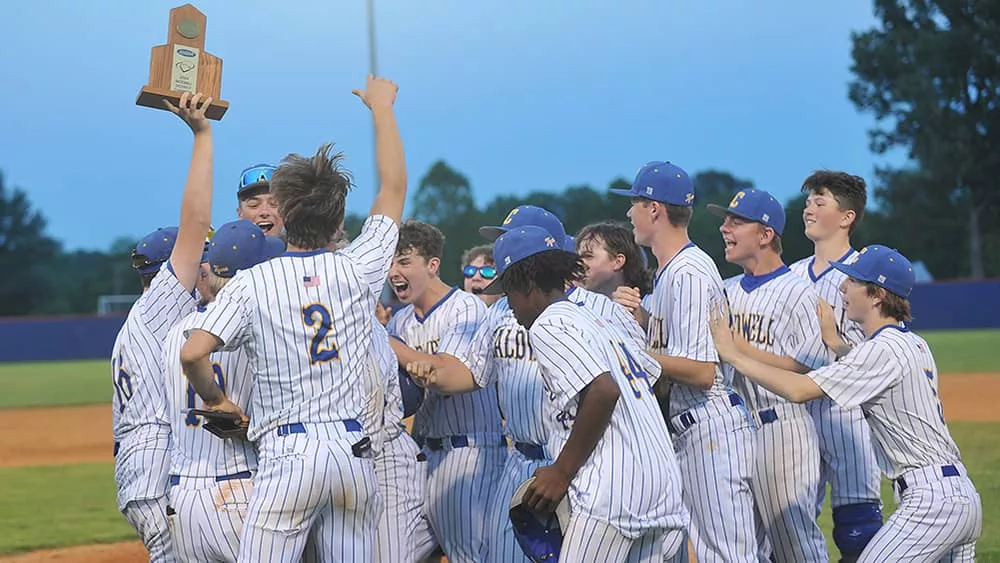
(152, 97)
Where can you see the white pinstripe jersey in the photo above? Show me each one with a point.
(615, 314)
(305, 319)
(195, 452)
(631, 480)
(384, 417)
(501, 356)
(449, 327)
(776, 312)
(683, 292)
(136, 367)
(827, 285)
(894, 378)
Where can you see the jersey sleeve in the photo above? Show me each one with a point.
(229, 316)
(458, 335)
(166, 302)
(860, 376)
(480, 354)
(690, 335)
(373, 250)
(627, 323)
(809, 349)
(567, 358)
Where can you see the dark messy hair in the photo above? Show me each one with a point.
(618, 239)
(849, 190)
(422, 238)
(311, 193)
(484, 250)
(550, 270)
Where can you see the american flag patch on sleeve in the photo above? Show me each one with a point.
(310, 281)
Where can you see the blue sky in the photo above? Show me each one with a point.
(518, 95)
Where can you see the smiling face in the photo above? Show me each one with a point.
(641, 215)
(858, 304)
(411, 274)
(743, 239)
(261, 209)
(823, 217)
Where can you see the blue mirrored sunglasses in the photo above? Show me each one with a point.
(487, 272)
(254, 174)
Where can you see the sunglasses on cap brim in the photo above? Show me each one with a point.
(256, 175)
(487, 272)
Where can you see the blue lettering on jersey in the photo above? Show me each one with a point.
(510, 343)
(317, 316)
(657, 333)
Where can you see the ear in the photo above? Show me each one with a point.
(765, 234)
(848, 219)
(239, 211)
(434, 264)
(619, 261)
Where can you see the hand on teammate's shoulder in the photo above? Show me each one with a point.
(191, 109)
(627, 297)
(378, 92)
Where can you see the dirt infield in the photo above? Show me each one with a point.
(66, 435)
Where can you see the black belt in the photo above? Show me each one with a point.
(687, 419)
(946, 471)
(459, 441)
(176, 479)
(531, 451)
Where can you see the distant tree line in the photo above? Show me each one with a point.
(929, 73)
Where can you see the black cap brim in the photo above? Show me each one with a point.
(491, 233)
(495, 287)
(721, 211)
(253, 189)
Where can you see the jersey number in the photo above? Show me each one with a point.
(122, 382)
(193, 420)
(633, 371)
(930, 378)
(317, 316)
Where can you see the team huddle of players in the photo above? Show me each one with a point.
(570, 405)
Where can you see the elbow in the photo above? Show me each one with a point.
(189, 356)
(606, 389)
(705, 377)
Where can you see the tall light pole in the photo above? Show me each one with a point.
(373, 70)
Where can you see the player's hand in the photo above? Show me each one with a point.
(722, 334)
(378, 92)
(422, 373)
(191, 108)
(627, 297)
(828, 329)
(228, 406)
(383, 314)
(548, 488)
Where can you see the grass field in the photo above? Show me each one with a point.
(75, 504)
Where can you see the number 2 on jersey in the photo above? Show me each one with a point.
(192, 396)
(632, 370)
(318, 317)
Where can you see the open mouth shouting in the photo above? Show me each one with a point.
(266, 226)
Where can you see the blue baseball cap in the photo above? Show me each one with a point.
(239, 245)
(540, 535)
(663, 182)
(570, 243)
(754, 205)
(154, 249)
(253, 178)
(516, 245)
(882, 266)
(524, 215)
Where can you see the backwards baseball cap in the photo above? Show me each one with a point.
(524, 215)
(255, 177)
(754, 205)
(516, 245)
(539, 534)
(882, 266)
(154, 249)
(239, 245)
(663, 182)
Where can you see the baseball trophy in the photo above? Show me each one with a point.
(182, 65)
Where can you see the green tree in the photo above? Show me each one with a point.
(929, 73)
(27, 254)
(444, 199)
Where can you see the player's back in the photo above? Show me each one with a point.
(683, 292)
(615, 314)
(827, 285)
(449, 327)
(136, 369)
(776, 313)
(311, 338)
(632, 479)
(194, 451)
